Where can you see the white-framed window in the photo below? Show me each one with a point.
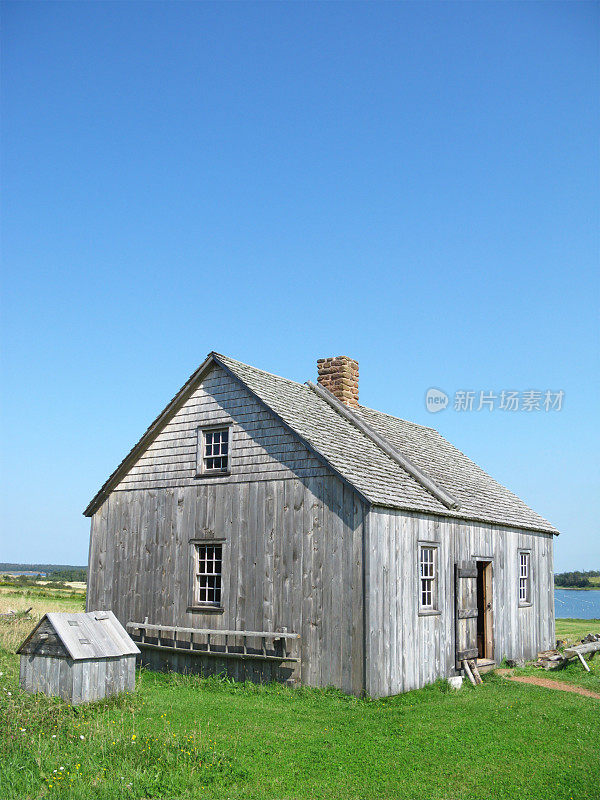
(427, 577)
(213, 450)
(524, 577)
(209, 574)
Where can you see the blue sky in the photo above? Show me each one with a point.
(411, 184)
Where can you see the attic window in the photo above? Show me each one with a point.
(213, 451)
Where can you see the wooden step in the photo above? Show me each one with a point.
(485, 664)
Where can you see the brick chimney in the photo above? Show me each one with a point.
(340, 375)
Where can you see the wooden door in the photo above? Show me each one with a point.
(465, 593)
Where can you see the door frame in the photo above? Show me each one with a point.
(488, 606)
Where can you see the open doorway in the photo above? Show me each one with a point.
(485, 642)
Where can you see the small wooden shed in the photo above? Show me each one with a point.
(79, 657)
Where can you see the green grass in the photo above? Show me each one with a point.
(573, 630)
(186, 737)
(13, 631)
(214, 739)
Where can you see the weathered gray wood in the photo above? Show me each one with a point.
(200, 654)
(475, 671)
(582, 659)
(249, 536)
(465, 589)
(93, 647)
(411, 650)
(212, 631)
(77, 681)
(581, 649)
(469, 673)
(262, 448)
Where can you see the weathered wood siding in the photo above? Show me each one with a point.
(50, 676)
(292, 557)
(77, 681)
(93, 680)
(261, 448)
(405, 650)
(293, 554)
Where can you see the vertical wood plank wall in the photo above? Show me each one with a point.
(292, 557)
(406, 651)
(77, 681)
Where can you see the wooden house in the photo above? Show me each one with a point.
(79, 657)
(273, 529)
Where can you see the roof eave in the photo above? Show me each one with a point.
(456, 517)
(172, 408)
(153, 431)
(29, 636)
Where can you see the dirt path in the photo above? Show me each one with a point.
(548, 683)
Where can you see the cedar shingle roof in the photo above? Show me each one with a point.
(357, 457)
(377, 476)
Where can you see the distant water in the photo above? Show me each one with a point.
(28, 574)
(579, 604)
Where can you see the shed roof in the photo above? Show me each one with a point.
(95, 634)
(343, 442)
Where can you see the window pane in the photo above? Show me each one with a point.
(524, 578)
(216, 447)
(427, 575)
(426, 565)
(209, 573)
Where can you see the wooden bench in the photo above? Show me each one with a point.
(579, 650)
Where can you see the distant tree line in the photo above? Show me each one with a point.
(54, 572)
(72, 574)
(577, 580)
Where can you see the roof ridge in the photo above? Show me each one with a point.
(257, 369)
(386, 477)
(306, 383)
(415, 472)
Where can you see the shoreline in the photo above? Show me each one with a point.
(578, 588)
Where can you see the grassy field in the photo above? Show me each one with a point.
(40, 599)
(573, 630)
(185, 737)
